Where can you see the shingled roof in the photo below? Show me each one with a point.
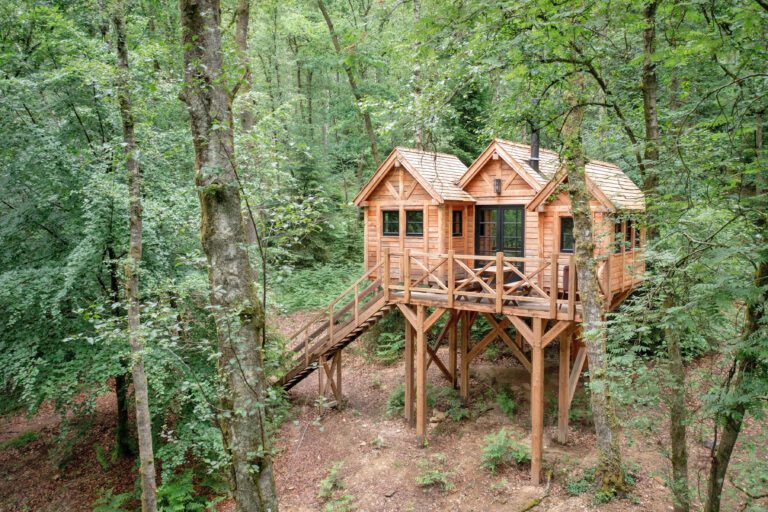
(609, 179)
(438, 173)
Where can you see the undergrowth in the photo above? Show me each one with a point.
(501, 449)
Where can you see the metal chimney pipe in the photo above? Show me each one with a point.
(534, 161)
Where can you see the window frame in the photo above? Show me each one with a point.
(409, 222)
(384, 231)
(460, 231)
(561, 239)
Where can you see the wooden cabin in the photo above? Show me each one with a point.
(492, 241)
(507, 201)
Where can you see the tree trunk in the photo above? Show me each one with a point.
(609, 473)
(140, 386)
(650, 87)
(242, 14)
(419, 135)
(352, 85)
(123, 444)
(678, 418)
(238, 313)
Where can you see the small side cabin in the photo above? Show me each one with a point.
(510, 201)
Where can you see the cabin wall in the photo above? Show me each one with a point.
(401, 192)
(514, 191)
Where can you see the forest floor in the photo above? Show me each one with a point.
(377, 456)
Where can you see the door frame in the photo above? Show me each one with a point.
(499, 224)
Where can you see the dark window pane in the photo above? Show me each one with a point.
(567, 242)
(414, 223)
(457, 223)
(618, 237)
(391, 222)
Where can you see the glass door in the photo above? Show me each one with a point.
(500, 228)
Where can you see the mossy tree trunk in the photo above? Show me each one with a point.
(140, 386)
(610, 473)
(238, 312)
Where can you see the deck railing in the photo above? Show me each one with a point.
(498, 282)
(342, 314)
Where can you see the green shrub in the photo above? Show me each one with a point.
(343, 503)
(20, 440)
(576, 487)
(501, 449)
(396, 401)
(293, 294)
(110, 502)
(430, 476)
(177, 494)
(331, 483)
(389, 347)
(506, 403)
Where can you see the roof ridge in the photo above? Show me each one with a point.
(427, 152)
(547, 150)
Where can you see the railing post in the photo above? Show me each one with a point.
(553, 287)
(499, 280)
(357, 303)
(451, 280)
(406, 273)
(330, 323)
(385, 274)
(571, 287)
(608, 282)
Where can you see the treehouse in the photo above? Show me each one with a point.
(446, 244)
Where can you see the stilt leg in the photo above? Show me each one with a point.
(421, 378)
(464, 375)
(339, 396)
(452, 352)
(410, 417)
(562, 391)
(321, 376)
(537, 402)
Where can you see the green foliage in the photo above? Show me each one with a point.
(396, 401)
(501, 449)
(21, 440)
(331, 483)
(389, 347)
(430, 476)
(177, 494)
(110, 502)
(506, 403)
(576, 487)
(313, 288)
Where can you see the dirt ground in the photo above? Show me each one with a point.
(380, 462)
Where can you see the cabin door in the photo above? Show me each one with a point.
(500, 228)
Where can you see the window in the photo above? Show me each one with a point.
(638, 239)
(414, 223)
(567, 243)
(628, 236)
(457, 223)
(391, 223)
(618, 237)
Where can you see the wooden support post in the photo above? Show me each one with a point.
(339, 396)
(464, 374)
(537, 402)
(410, 417)
(571, 287)
(563, 404)
(499, 280)
(421, 378)
(385, 274)
(452, 349)
(320, 376)
(407, 276)
(451, 279)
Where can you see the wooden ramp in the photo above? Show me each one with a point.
(318, 344)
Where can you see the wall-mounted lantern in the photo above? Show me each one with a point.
(497, 186)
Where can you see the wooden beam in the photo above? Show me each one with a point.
(522, 328)
(433, 357)
(408, 313)
(578, 365)
(421, 378)
(434, 317)
(537, 402)
(555, 331)
(563, 403)
(499, 328)
(477, 349)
